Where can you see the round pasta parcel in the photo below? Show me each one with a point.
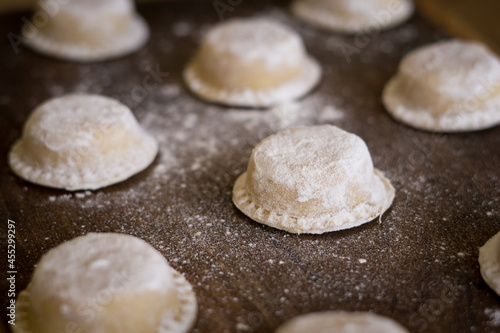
(353, 16)
(80, 141)
(312, 180)
(251, 63)
(86, 30)
(105, 282)
(341, 322)
(448, 86)
(489, 262)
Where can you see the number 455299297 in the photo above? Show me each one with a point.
(11, 247)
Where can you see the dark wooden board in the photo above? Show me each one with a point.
(421, 260)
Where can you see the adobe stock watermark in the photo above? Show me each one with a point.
(89, 309)
(484, 91)
(459, 114)
(224, 170)
(139, 93)
(220, 176)
(256, 319)
(96, 138)
(427, 146)
(11, 272)
(152, 80)
(47, 10)
(372, 29)
(434, 308)
(223, 6)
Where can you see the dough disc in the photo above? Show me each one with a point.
(353, 16)
(489, 262)
(87, 30)
(105, 282)
(312, 180)
(80, 142)
(341, 322)
(449, 86)
(252, 63)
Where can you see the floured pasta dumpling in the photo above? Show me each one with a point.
(353, 16)
(341, 322)
(80, 142)
(449, 86)
(489, 261)
(312, 180)
(105, 282)
(87, 30)
(252, 63)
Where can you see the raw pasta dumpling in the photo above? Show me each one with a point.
(86, 30)
(252, 63)
(449, 86)
(80, 142)
(341, 322)
(489, 262)
(353, 16)
(105, 282)
(312, 180)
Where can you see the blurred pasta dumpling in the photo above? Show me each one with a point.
(80, 141)
(489, 262)
(353, 16)
(341, 322)
(449, 86)
(252, 63)
(105, 282)
(86, 30)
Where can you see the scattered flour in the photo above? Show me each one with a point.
(494, 315)
(204, 147)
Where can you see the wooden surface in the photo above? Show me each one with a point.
(417, 266)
